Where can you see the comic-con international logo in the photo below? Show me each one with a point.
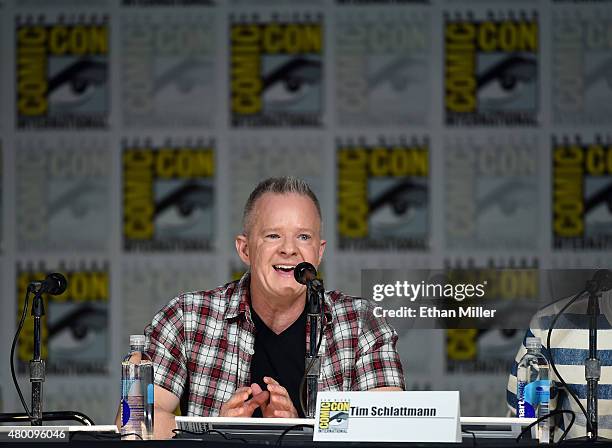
(581, 70)
(62, 191)
(383, 194)
(168, 196)
(491, 70)
(62, 72)
(167, 71)
(491, 192)
(74, 331)
(334, 416)
(492, 350)
(276, 71)
(382, 68)
(582, 193)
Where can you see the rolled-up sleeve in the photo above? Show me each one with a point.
(377, 362)
(165, 342)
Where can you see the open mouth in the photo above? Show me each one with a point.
(284, 267)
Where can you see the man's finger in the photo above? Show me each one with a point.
(236, 400)
(249, 407)
(270, 380)
(256, 389)
(237, 412)
(261, 399)
(281, 402)
(278, 389)
(239, 397)
(284, 414)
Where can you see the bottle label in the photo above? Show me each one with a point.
(132, 413)
(529, 396)
(132, 405)
(150, 394)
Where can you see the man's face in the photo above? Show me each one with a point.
(285, 230)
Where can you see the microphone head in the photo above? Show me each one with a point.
(304, 272)
(603, 280)
(55, 284)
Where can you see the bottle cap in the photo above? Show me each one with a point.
(533, 342)
(137, 339)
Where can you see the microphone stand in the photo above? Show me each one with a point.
(592, 365)
(314, 290)
(37, 365)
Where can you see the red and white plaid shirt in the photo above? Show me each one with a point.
(201, 345)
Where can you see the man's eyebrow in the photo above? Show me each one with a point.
(278, 229)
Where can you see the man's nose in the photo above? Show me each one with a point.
(288, 247)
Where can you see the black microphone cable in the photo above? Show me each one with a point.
(554, 367)
(15, 339)
(547, 416)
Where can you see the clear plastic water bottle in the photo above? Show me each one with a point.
(533, 388)
(137, 391)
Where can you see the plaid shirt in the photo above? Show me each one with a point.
(201, 345)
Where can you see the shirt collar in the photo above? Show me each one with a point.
(240, 300)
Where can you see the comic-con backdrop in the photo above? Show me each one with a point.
(440, 133)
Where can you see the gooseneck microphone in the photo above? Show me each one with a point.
(306, 274)
(601, 281)
(55, 284)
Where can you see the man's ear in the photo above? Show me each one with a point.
(242, 247)
(321, 250)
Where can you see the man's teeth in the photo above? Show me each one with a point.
(284, 267)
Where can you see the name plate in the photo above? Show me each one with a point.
(387, 417)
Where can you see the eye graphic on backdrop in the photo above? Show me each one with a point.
(184, 207)
(498, 344)
(183, 76)
(394, 74)
(79, 200)
(77, 329)
(77, 83)
(506, 80)
(403, 198)
(186, 199)
(290, 82)
(601, 196)
(509, 197)
(602, 71)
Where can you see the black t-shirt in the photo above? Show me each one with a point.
(280, 356)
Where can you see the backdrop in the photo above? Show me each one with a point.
(436, 133)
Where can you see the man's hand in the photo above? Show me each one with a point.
(279, 403)
(239, 404)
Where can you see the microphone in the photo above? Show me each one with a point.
(55, 284)
(304, 273)
(601, 281)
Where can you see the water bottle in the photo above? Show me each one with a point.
(533, 388)
(137, 391)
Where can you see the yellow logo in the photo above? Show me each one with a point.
(334, 416)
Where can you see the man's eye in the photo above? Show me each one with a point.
(304, 237)
(272, 235)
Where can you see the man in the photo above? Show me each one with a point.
(239, 350)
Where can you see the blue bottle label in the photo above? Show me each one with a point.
(150, 394)
(529, 396)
